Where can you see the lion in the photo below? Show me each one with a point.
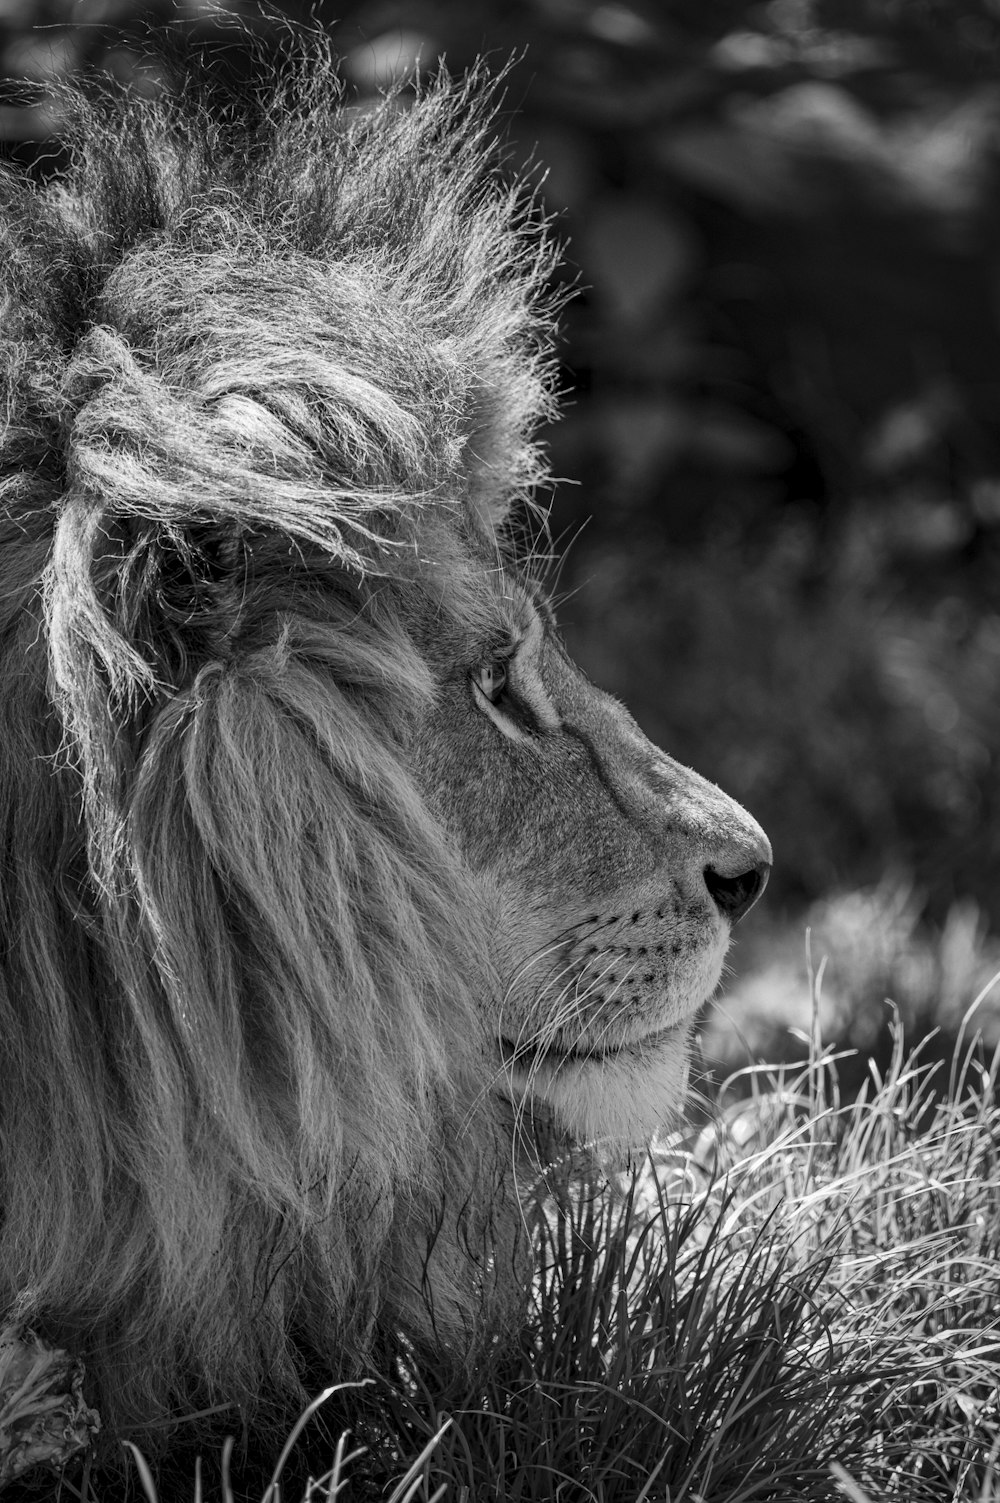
(326, 872)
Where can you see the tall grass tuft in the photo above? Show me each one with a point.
(801, 1304)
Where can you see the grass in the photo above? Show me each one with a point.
(799, 1302)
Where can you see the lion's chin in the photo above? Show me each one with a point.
(616, 1100)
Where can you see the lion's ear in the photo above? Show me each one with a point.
(509, 397)
(503, 462)
(492, 455)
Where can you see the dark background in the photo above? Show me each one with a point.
(782, 376)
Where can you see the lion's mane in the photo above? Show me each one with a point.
(250, 377)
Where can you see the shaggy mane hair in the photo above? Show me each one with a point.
(253, 379)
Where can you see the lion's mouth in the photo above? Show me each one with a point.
(532, 1052)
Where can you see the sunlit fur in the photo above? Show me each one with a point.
(252, 383)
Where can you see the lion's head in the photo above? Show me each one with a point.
(323, 865)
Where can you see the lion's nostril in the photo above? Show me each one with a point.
(735, 896)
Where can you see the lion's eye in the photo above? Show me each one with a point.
(491, 678)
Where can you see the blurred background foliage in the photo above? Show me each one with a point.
(782, 378)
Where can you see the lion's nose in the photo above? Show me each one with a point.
(735, 896)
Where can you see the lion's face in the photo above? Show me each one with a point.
(611, 875)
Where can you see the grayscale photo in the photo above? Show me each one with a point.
(499, 742)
